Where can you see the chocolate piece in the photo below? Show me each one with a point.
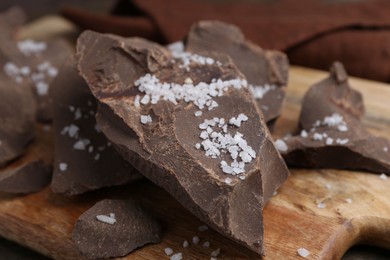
(84, 159)
(265, 70)
(113, 228)
(27, 178)
(31, 62)
(332, 135)
(189, 125)
(17, 117)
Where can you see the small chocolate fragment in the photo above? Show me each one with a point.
(27, 178)
(265, 70)
(189, 124)
(17, 118)
(84, 158)
(114, 228)
(332, 135)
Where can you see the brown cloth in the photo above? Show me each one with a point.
(313, 33)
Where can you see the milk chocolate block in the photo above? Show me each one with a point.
(189, 124)
(84, 158)
(332, 135)
(114, 228)
(265, 70)
(17, 118)
(27, 178)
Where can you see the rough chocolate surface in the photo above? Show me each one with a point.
(84, 158)
(128, 228)
(332, 135)
(265, 70)
(27, 178)
(157, 129)
(17, 117)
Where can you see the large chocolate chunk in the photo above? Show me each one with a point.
(31, 62)
(27, 178)
(114, 228)
(17, 117)
(332, 135)
(265, 70)
(188, 124)
(84, 158)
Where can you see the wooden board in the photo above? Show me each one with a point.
(43, 221)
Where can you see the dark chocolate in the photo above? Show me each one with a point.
(161, 138)
(114, 228)
(84, 158)
(17, 118)
(265, 70)
(31, 62)
(27, 178)
(332, 135)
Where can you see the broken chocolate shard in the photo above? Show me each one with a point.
(114, 228)
(332, 135)
(189, 124)
(84, 158)
(17, 116)
(265, 70)
(27, 178)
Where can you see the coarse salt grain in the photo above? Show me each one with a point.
(29, 47)
(177, 256)
(228, 180)
(72, 130)
(383, 176)
(258, 92)
(63, 167)
(342, 141)
(329, 141)
(145, 119)
(185, 244)
(188, 81)
(206, 244)
(81, 144)
(77, 114)
(281, 145)
(168, 251)
(203, 228)
(195, 240)
(342, 128)
(317, 137)
(106, 219)
(304, 133)
(216, 252)
(321, 205)
(303, 252)
(198, 113)
(348, 200)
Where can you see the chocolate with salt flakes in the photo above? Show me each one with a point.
(265, 70)
(114, 228)
(84, 158)
(332, 135)
(148, 101)
(17, 118)
(27, 178)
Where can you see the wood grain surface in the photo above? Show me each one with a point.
(43, 221)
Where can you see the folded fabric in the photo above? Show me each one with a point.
(312, 32)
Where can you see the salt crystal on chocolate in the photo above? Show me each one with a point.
(63, 166)
(106, 219)
(303, 252)
(145, 119)
(168, 251)
(29, 47)
(281, 145)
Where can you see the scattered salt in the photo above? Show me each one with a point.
(72, 130)
(321, 205)
(203, 228)
(29, 47)
(77, 114)
(146, 119)
(304, 133)
(106, 219)
(317, 136)
(342, 141)
(216, 252)
(383, 176)
(195, 240)
(329, 141)
(188, 81)
(342, 128)
(281, 145)
(168, 251)
(197, 146)
(228, 180)
(303, 252)
(81, 144)
(177, 256)
(63, 167)
(42, 88)
(185, 244)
